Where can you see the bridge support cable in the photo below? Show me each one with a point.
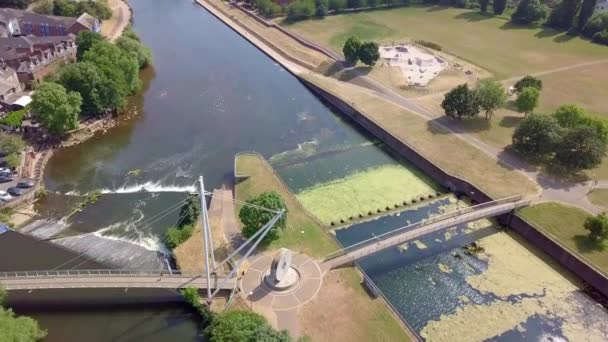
(206, 236)
(261, 236)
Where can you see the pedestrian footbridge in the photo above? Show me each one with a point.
(419, 229)
(111, 278)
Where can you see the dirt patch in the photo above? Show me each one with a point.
(343, 308)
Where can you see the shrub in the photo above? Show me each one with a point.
(429, 45)
(597, 23)
(528, 12)
(301, 9)
(601, 37)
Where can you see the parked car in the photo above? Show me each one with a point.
(5, 179)
(14, 191)
(4, 196)
(25, 184)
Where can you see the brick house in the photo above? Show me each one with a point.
(14, 22)
(33, 58)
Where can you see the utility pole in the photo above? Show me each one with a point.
(205, 235)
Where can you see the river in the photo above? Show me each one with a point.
(210, 95)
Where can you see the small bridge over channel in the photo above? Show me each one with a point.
(110, 278)
(417, 230)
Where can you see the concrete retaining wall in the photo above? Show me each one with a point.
(536, 237)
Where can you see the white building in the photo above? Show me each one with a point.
(601, 6)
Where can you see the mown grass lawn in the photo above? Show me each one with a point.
(566, 224)
(368, 320)
(490, 42)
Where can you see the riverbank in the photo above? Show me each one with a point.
(342, 310)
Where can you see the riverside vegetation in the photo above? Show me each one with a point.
(17, 328)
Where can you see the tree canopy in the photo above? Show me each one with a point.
(55, 108)
(537, 136)
(15, 328)
(499, 6)
(461, 102)
(351, 49)
(587, 9)
(85, 79)
(597, 227)
(120, 68)
(528, 12)
(528, 81)
(85, 40)
(368, 53)
(562, 16)
(527, 100)
(491, 96)
(243, 326)
(134, 47)
(20, 4)
(190, 211)
(254, 218)
(580, 148)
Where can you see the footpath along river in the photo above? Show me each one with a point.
(210, 95)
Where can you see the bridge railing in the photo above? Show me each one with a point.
(430, 220)
(94, 273)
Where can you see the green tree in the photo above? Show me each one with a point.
(528, 81)
(300, 9)
(528, 12)
(136, 49)
(56, 109)
(321, 8)
(562, 16)
(499, 6)
(190, 211)
(597, 227)
(368, 53)
(175, 236)
(491, 96)
(536, 136)
(20, 4)
(571, 116)
(10, 143)
(254, 218)
(192, 297)
(116, 65)
(16, 328)
(64, 8)
(356, 3)
(351, 49)
(483, 5)
(580, 149)
(84, 78)
(243, 326)
(460, 102)
(43, 7)
(598, 23)
(336, 5)
(527, 100)
(85, 40)
(587, 9)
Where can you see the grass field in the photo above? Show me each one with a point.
(302, 233)
(365, 191)
(492, 43)
(342, 310)
(566, 224)
(436, 144)
(599, 197)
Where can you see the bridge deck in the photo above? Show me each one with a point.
(113, 279)
(353, 253)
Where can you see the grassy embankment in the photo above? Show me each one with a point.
(324, 317)
(444, 149)
(566, 224)
(492, 43)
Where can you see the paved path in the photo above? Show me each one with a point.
(553, 188)
(350, 254)
(121, 15)
(105, 279)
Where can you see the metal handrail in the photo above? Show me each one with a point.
(94, 273)
(421, 223)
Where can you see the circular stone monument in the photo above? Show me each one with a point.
(281, 276)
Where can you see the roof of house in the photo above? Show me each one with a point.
(34, 18)
(87, 20)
